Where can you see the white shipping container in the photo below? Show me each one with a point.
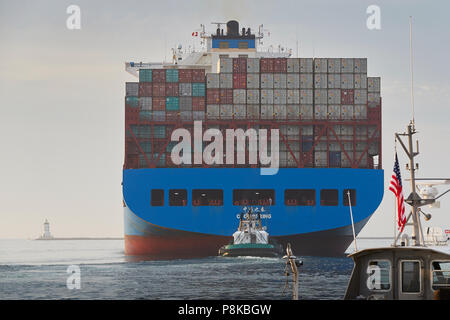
(253, 65)
(279, 80)
(279, 96)
(347, 112)
(212, 111)
(279, 111)
(293, 81)
(320, 81)
(239, 96)
(334, 81)
(360, 65)
(306, 81)
(334, 65)
(293, 96)
(226, 111)
(212, 80)
(226, 65)
(320, 96)
(267, 112)
(320, 65)
(306, 96)
(306, 112)
(253, 80)
(373, 84)
(347, 65)
(226, 80)
(267, 96)
(334, 96)
(293, 65)
(293, 112)
(306, 65)
(267, 80)
(320, 112)
(360, 80)
(347, 81)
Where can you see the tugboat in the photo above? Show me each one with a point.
(251, 239)
(407, 271)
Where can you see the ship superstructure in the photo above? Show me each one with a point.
(328, 115)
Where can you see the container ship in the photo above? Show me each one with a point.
(326, 111)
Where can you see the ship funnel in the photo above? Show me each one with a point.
(232, 28)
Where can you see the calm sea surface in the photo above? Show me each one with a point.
(38, 270)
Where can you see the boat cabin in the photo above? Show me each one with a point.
(400, 273)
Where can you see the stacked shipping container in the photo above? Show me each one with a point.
(328, 110)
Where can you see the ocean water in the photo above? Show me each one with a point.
(38, 270)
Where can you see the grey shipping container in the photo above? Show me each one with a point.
(306, 111)
(334, 96)
(212, 111)
(252, 111)
(239, 96)
(360, 65)
(306, 81)
(373, 84)
(293, 65)
(347, 112)
(293, 112)
(334, 65)
(212, 80)
(360, 80)
(279, 80)
(279, 111)
(347, 65)
(320, 159)
(320, 96)
(360, 111)
(320, 65)
(226, 111)
(306, 65)
(239, 111)
(334, 81)
(253, 65)
(347, 81)
(320, 81)
(185, 103)
(360, 96)
(320, 112)
(334, 111)
(198, 115)
(159, 115)
(145, 103)
(185, 89)
(293, 81)
(306, 96)
(226, 81)
(252, 96)
(266, 80)
(279, 96)
(373, 98)
(267, 112)
(252, 80)
(226, 65)
(293, 96)
(132, 88)
(186, 115)
(267, 96)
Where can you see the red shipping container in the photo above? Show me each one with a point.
(172, 89)
(213, 96)
(145, 89)
(280, 65)
(159, 103)
(347, 96)
(239, 65)
(266, 65)
(226, 96)
(239, 81)
(131, 114)
(198, 103)
(158, 75)
(185, 75)
(198, 75)
(172, 115)
(159, 90)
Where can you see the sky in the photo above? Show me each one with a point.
(62, 93)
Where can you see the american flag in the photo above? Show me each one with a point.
(397, 189)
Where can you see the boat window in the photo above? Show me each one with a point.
(255, 197)
(243, 45)
(300, 197)
(157, 197)
(224, 45)
(411, 280)
(441, 274)
(352, 197)
(379, 272)
(329, 197)
(177, 197)
(207, 197)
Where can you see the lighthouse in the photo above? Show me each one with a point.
(47, 234)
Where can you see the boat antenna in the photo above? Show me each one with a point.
(351, 216)
(411, 69)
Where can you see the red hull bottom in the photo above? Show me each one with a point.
(163, 247)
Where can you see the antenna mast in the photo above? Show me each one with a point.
(411, 69)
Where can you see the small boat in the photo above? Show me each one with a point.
(251, 239)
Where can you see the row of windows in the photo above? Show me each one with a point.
(256, 197)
